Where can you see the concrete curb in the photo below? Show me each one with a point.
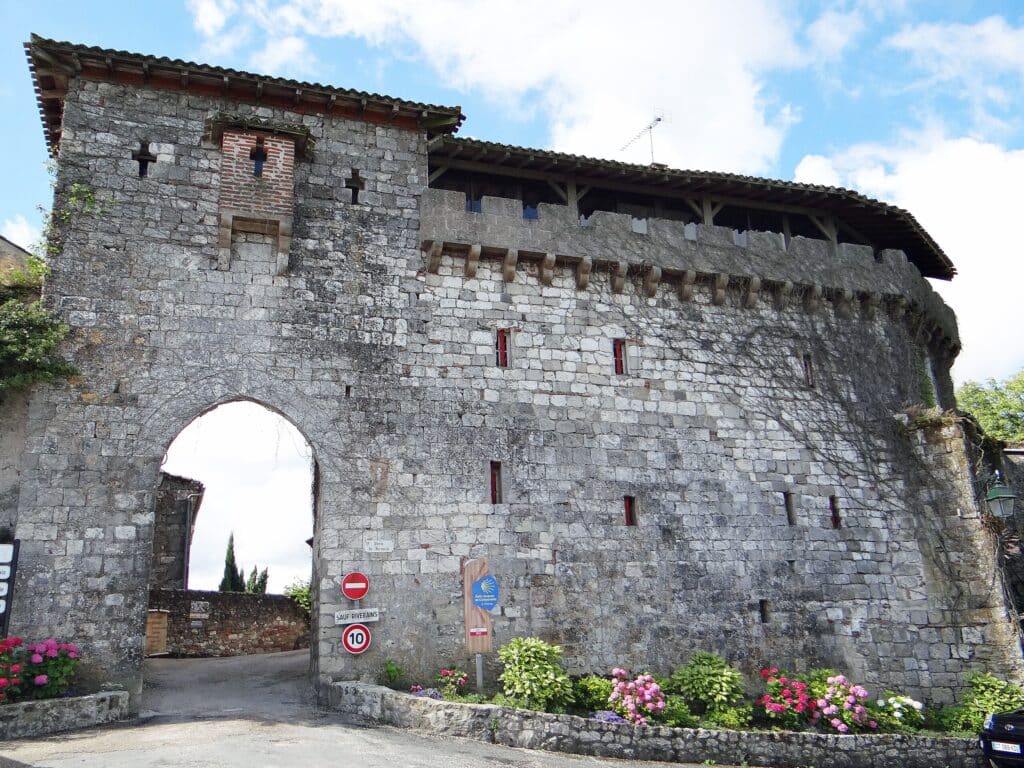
(577, 735)
(41, 718)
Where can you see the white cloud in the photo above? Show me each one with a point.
(284, 55)
(599, 70)
(210, 16)
(965, 192)
(258, 475)
(20, 232)
(833, 32)
(981, 63)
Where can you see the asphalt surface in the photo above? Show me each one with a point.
(259, 712)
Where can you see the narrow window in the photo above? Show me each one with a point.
(143, 157)
(762, 607)
(787, 500)
(833, 505)
(348, 390)
(619, 356)
(808, 370)
(474, 203)
(258, 155)
(629, 507)
(495, 482)
(501, 348)
(355, 183)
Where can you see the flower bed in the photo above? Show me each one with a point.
(567, 733)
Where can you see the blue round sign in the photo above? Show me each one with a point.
(485, 593)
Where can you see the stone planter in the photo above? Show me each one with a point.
(566, 733)
(39, 718)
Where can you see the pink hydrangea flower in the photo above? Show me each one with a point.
(37, 659)
(40, 679)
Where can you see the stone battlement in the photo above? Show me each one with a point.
(853, 277)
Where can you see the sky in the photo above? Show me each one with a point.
(919, 104)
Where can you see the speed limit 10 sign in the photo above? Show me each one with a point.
(355, 638)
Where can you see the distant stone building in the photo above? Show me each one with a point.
(661, 403)
(177, 505)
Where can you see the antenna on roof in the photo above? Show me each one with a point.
(649, 130)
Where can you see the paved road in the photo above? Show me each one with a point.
(258, 712)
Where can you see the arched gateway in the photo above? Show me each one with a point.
(660, 403)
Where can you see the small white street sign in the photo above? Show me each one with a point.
(356, 616)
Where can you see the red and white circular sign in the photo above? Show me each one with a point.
(356, 638)
(355, 585)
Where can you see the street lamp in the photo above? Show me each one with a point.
(1000, 498)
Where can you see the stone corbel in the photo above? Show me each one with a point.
(651, 279)
(871, 303)
(782, 295)
(718, 285)
(753, 293)
(433, 250)
(899, 308)
(583, 270)
(547, 268)
(619, 277)
(224, 242)
(686, 285)
(508, 265)
(472, 261)
(812, 299)
(843, 299)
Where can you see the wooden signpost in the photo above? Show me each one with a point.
(477, 619)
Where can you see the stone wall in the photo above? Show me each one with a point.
(230, 623)
(40, 718)
(564, 733)
(780, 517)
(177, 505)
(14, 417)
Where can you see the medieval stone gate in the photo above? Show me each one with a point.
(641, 393)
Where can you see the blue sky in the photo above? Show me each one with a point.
(915, 103)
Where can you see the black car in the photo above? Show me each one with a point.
(1002, 739)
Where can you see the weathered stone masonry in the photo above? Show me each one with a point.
(376, 337)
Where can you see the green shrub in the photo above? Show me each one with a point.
(29, 337)
(988, 694)
(391, 674)
(734, 718)
(590, 693)
(298, 591)
(708, 682)
(947, 719)
(817, 682)
(676, 714)
(533, 673)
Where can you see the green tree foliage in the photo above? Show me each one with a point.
(257, 582)
(234, 577)
(708, 683)
(998, 406)
(29, 337)
(299, 592)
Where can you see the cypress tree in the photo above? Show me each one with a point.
(233, 580)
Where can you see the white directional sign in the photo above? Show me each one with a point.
(356, 616)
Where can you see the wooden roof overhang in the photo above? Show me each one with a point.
(54, 64)
(866, 220)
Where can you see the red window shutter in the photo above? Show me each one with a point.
(501, 348)
(619, 352)
(495, 482)
(629, 505)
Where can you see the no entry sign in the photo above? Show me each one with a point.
(355, 638)
(355, 585)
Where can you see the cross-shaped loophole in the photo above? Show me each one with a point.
(258, 155)
(355, 183)
(143, 157)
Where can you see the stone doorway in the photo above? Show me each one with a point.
(240, 472)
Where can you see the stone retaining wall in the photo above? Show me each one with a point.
(566, 733)
(39, 718)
